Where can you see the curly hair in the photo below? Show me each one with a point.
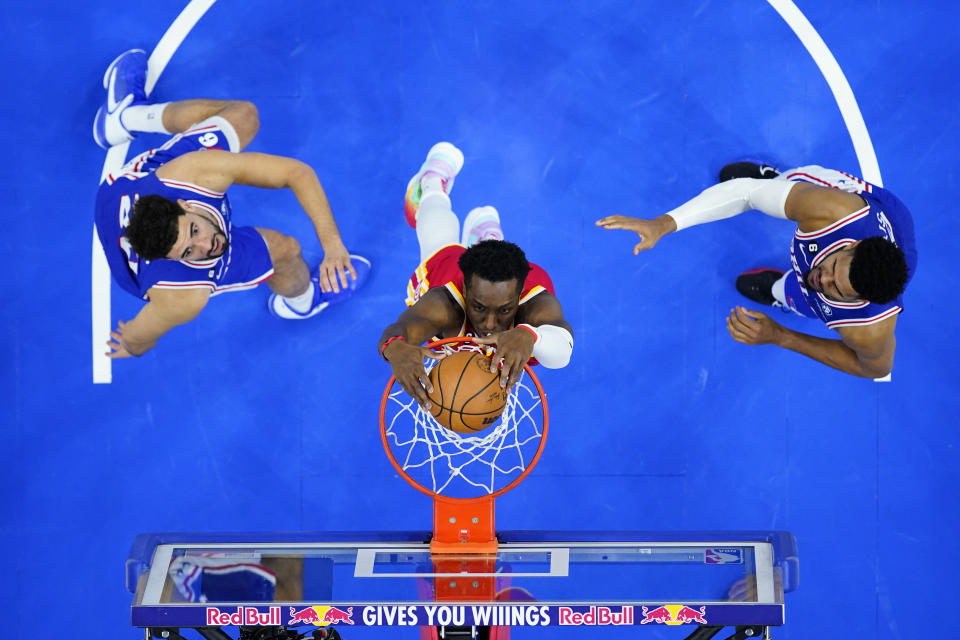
(878, 270)
(494, 261)
(153, 227)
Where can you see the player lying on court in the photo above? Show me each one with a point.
(165, 222)
(483, 287)
(852, 255)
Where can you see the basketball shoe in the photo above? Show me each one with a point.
(279, 307)
(747, 170)
(125, 81)
(445, 160)
(483, 223)
(757, 285)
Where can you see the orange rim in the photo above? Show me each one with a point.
(436, 496)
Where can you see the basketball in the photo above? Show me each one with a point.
(466, 397)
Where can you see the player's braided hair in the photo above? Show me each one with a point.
(494, 261)
(878, 270)
(153, 226)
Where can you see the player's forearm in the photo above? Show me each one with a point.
(832, 353)
(412, 332)
(311, 196)
(732, 198)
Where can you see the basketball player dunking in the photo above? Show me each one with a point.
(482, 287)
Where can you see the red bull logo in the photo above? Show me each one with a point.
(243, 616)
(673, 614)
(596, 615)
(320, 616)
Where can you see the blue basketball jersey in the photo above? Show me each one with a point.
(246, 261)
(884, 215)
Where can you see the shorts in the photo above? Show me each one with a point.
(795, 298)
(213, 133)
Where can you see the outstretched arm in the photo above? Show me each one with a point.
(400, 342)
(218, 170)
(720, 201)
(166, 310)
(861, 351)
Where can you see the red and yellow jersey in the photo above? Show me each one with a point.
(441, 270)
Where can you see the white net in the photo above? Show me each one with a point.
(465, 465)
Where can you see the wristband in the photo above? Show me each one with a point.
(383, 347)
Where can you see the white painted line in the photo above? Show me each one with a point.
(842, 93)
(116, 156)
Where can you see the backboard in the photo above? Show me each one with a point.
(392, 580)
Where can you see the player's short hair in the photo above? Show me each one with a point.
(878, 270)
(494, 261)
(153, 226)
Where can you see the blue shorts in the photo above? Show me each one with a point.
(795, 298)
(213, 133)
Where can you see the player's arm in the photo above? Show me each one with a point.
(718, 202)
(541, 331)
(814, 207)
(400, 343)
(166, 310)
(217, 170)
(865, 351)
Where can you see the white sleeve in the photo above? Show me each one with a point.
(733, 197)
(553, 347)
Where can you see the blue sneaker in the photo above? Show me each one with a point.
(279, 307)
(125, 81)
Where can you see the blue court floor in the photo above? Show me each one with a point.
(566, 112)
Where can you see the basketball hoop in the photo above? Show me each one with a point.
(464, 473)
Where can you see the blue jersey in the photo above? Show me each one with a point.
(246, 261)
(883, 215)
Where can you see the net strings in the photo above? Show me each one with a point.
(485, 461)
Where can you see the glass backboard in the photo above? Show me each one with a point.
(392, 579)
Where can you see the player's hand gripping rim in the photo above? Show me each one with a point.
(514, 348)
(406, 360)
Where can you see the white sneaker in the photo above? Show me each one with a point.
(444, 159)
(483, 223)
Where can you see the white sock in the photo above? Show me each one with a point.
(431, 182)
(302, 302)
(437, 224)
(144, 117)
(779, 289)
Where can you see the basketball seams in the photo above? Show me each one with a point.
(456, 409)
(457, 388)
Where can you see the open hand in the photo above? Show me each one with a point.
(115, 343)
(650, 231)
(336, 263)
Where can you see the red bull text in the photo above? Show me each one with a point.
(596, 616)
(245, 616)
